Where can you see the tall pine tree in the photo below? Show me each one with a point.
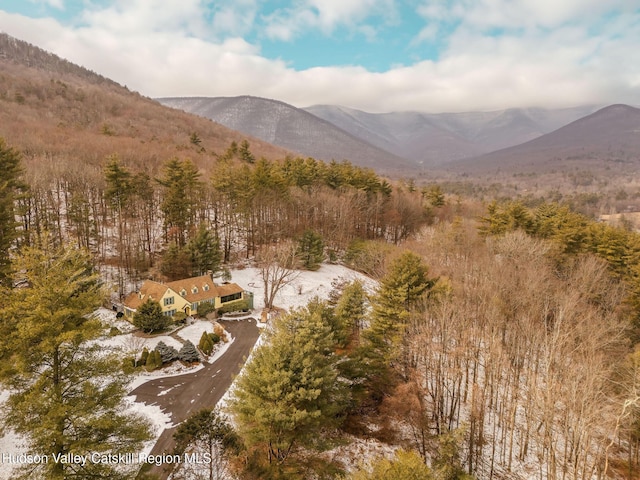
(67, 394)
(289, 391)
(10, 186)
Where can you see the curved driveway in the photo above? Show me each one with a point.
(189, 393)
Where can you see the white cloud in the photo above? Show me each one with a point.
(326, 15)
(169, 51)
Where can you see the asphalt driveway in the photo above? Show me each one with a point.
(189, 393)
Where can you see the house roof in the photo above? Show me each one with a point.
(149, 289)
(197, 289)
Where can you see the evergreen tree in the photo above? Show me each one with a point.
(311, 250)
(149, 317)
(204, 252)
(182, 197)
(351, 310)
(205, 344)
(207, 432)
(400, 290)
(10, 186)
(188, 353)
(167, 353)
(289, 390)
(399, 293)
(67, 396)
(176, 263)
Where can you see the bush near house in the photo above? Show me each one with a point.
(205, 309)
(235, 306)
(149, 317)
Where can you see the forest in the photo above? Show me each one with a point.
(499, 343)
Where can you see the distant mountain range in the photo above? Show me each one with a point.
(403, 139)
(607, 139)
(292, 128)
(54, 109)
(437, 139)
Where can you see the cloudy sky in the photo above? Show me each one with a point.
(374, 55)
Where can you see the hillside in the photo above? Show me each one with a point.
(292, 128)
(55, 111)
(607, 139)
(436, 139)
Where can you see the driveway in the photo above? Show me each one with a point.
(189, 393)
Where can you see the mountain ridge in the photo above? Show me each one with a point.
(292, 128)
(611, 135)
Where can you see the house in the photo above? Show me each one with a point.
(185, 295)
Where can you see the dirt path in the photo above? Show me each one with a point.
(186, 394)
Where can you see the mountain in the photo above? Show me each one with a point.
(437, 139)
(290, 127)
(608, 138)
(57, 113)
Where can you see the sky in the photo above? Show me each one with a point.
(372, 55)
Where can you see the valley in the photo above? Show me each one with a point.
(454, 295)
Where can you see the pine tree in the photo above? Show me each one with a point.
(404, 284)
(176, 262)
(400, 291)
(149, 317)
(188, 353)
(67, 396)
(10, 186)
(204, 252)
(351, 310)
(290, 389)
(181, 199)
(311, 250)
(207, 432)
(167, 353)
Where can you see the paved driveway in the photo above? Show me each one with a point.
(190, 393)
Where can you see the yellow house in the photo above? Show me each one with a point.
(185, 295)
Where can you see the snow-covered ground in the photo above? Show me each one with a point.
(298, 293)
(303, 288)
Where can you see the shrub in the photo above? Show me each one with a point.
(143, 356)
(154, 360)
(205, 309)
(235, 306)
(114, 331)
(167, 353)
(218, 330)
(128, 365)
(188, 353)
(179, 317)
(149, 317)
(215, 338)
(205, 344)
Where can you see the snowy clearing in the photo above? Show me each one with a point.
(303, 288)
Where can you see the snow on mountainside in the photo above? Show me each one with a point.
(434, 139)
(290, 127)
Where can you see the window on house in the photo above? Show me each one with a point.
(169, 313)
(194, 290)
(206, 287)
(230, 298)
(183, 292)
(169, 301)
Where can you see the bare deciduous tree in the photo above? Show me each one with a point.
(277, 265)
